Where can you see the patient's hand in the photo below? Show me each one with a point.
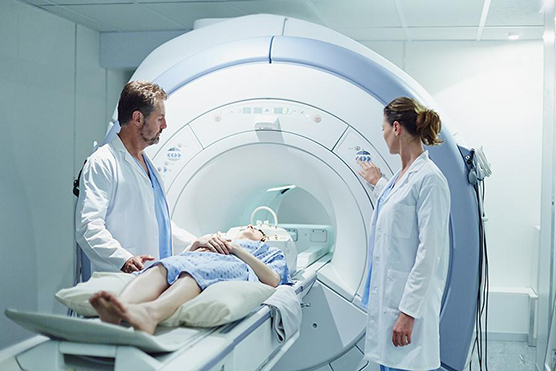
(213, 243)
(203, 249)
(235, 248)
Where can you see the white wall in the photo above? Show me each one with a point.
(493, 94)
(55, 101)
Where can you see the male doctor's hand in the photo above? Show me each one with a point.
(135, 263)
(370, 172)
(401, 336)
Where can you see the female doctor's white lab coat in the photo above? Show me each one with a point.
(115, 215)
(410, 252)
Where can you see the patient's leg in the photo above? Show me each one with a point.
(145, 287)
(183, 290)
(146, 316)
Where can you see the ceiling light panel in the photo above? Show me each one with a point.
(126, 17)
(442, 13)
(357, 13)
(515, 13)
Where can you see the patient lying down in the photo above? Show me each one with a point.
(161, 289)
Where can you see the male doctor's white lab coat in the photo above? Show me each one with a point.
(115, 215)
(409, 266)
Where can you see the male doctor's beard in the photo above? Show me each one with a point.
(147, 137)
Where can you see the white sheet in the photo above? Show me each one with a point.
(285, 311)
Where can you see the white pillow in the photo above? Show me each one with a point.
(221, 303)
(77, 298)
(218, 304)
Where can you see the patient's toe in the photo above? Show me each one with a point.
(114, 301)
(94, 299)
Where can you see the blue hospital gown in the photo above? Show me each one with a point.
(208, 268)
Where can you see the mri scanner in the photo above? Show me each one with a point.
(268, 110)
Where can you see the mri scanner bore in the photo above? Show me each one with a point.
(262, 102)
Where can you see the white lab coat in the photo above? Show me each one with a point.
(410, 262)
(115, 215)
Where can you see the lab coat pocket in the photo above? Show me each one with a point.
(400, 220)
(395, 285)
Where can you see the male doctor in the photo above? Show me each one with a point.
(122, 218)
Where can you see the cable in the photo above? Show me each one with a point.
(69, 312)
(77, 262)
(486, 287)
(480, 343)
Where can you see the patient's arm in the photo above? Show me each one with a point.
(265, 274)
(211, 242)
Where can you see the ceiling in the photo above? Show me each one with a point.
(362, 20)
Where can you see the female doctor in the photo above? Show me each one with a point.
(409, 245)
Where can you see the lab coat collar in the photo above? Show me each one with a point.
(419, 162)
(119, 146)
(414, 167)
(154, 172)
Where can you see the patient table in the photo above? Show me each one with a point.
(247, 344)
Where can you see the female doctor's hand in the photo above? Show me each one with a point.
(370, 172)
(401, 335)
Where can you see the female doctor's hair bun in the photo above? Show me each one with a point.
(418, 120)
(428, 127)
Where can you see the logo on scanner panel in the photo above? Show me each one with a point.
(363, 156)
(174, 154)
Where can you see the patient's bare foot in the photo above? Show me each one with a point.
(111, 310)
(139, 316)
(108, 307)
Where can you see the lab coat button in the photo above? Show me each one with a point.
(152, 208)
(377, 259)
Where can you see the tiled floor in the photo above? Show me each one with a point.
(502, 356)
(508, 356)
